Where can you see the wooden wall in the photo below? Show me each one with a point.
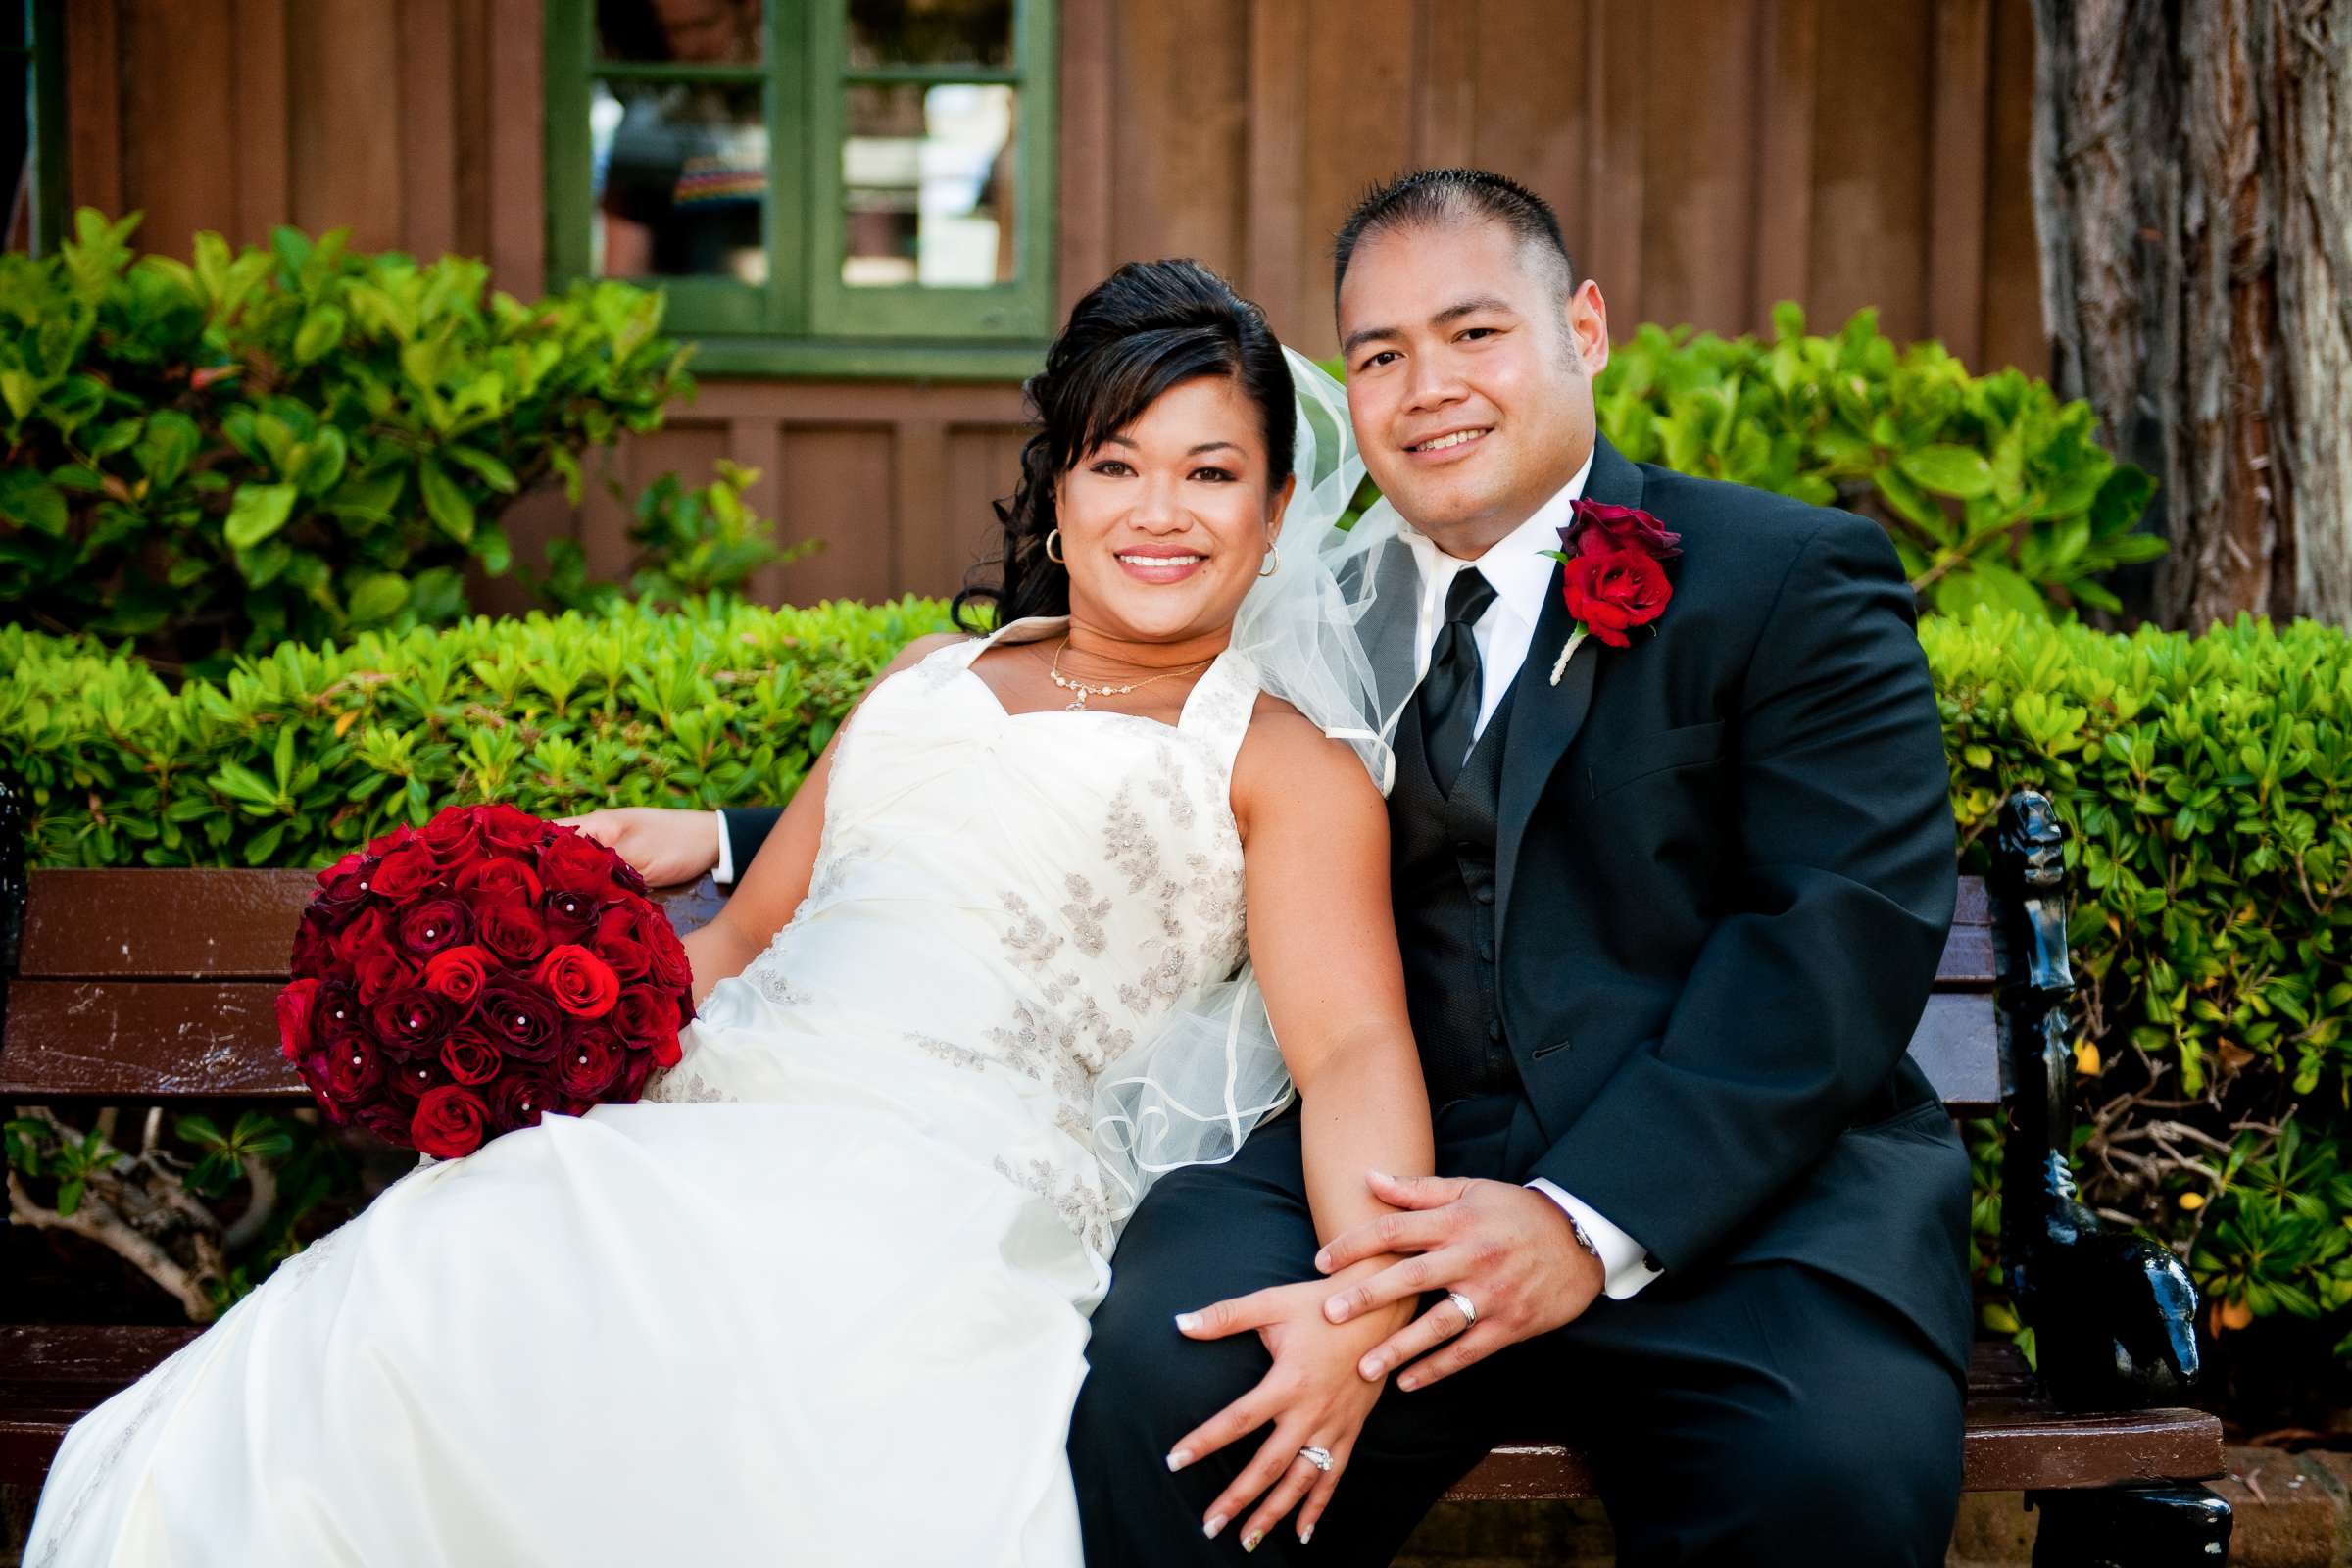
(1707, 157)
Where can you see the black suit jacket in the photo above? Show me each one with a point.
(1726, 871)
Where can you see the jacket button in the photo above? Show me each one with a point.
(1486, 949)
(1494, 1028)
(1484, 893)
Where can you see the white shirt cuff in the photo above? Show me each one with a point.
(1624, 1261)
(725, 872)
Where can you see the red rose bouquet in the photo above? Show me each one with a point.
(456, 983)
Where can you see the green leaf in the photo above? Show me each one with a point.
(320, 332)
(32, 501)
(164, 449)
(446, 500)
(258, 512)
(378, 596)
(69, 1198)
(1949, 470)
(494, 474)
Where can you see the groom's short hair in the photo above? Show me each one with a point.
(1436, 197)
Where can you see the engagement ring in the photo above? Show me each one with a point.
(1462, 1303)
(1320, 1458)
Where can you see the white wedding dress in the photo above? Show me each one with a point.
(821, 1298)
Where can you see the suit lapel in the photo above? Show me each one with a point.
(1546, 718)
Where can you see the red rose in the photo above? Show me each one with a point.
(578, 980)
(502, 827)
(407, 872)
(410, 1019)
(337, 1010)
(626, 958)
(1612, 592)
(671, 967)
(1599, 530)
(458, 973)
(314, 950)
(500, 878)
(295, 1008)
(569, 916)
(469, 1055)
(367, 932)
(433, 923)
(353, 1068)
(518, 1098)
(649, 1020)
(635, 1069)
(380, 973)
(586, 1065)
(411, 1080)
(519, 1019)
(574, 863)
(449, 1122)
(510, 929)
(453, 837)
(344, 887)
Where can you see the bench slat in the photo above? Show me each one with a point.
(1955, 1045)
(201, 924)
(144, 1040)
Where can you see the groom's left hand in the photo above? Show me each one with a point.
(1508, 1249)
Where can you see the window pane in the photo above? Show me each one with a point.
(927, 176)
(680, 176)
(930, 32)
(708, 33)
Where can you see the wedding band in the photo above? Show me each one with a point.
(1462, 1304)
(1320, 1458)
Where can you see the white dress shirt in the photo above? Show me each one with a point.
(1521, 575)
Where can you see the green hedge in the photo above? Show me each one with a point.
(2207, 782)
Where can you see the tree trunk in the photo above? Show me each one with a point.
(2192, 186)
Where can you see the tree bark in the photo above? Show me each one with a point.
(2192, 186)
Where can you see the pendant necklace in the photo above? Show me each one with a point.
(1077, 704)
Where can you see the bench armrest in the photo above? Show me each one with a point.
(2114, 1313)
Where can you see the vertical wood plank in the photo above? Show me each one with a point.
(518, 154)
(1359, 132)
(1870, 166)
(1444, 76)
(345, 156)
(429, 119)
(258, 110)
(1088, 135)
(1697, 172)
(94, 105)
(838, 491)
(983, 462)
(1275, 165)
(2014, 333)
(1782, 254)
(1959, 143)
(175, 119)
(471, 105)
(1529, 108)
(921, 546)
(757, 441)
(1617, 100)
(1183, 74)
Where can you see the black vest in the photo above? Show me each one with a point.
(1442, 877)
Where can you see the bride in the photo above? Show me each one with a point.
(823, 1295)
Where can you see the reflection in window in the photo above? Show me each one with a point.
(927, 176)
(680, 177)
(930, 32)
(669, 32)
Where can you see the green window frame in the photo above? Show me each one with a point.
(803, 320)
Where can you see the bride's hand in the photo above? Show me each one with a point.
(664, 846)
(1313, 1394)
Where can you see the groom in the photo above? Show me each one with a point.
(1669, 915)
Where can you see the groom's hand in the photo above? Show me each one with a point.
(664, 846)
(1508, 1249)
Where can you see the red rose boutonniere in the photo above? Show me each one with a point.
(1615, 576)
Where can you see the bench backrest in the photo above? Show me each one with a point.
(160, 984)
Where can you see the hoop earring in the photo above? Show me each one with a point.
(1273, 562)
(1053, 539)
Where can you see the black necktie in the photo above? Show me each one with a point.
(1449, 692)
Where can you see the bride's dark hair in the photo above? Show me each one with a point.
(1146, 328)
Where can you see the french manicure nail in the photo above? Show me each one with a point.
(1179, 1458)
(1409, 1382)
(1249, 1542)
(1380, 1176)
(1216, 1522)
(1188, 1321)
(1306, 1532)
(1323, 1260)
(1335, 1310)
(1369, 1366)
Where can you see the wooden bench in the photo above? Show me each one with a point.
(139, 988)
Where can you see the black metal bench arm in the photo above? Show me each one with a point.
(2114, 1313)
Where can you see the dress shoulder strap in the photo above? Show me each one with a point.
(1218, 711)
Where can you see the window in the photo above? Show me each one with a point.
(822, 186)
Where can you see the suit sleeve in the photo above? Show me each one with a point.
(747, 828)
(1802, 1000)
